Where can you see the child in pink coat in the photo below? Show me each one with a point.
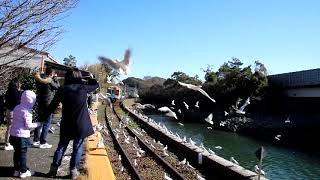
(20, 133)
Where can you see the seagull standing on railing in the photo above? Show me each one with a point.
(183, 162)
(257, 169)
(200, 177)
(189, 165)
(166, 177)
(233, 160)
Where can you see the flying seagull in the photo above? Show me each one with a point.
(209, 119)
(186, 105)
(197, 104)
(197, 88)
(168, 111)
(119, 66)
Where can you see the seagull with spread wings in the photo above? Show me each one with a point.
(119, 66)
(168, 112)
(197, 88)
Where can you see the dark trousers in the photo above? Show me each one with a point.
(45, 125)
(20, 146)
(76, 152)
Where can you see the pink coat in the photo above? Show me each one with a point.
(22, 116)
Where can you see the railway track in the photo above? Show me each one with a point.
(146, 158)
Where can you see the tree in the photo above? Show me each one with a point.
(28, 28)
(70, 61)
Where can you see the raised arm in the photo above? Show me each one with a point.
(91, 86)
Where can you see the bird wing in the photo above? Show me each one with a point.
(110, 63)
(206, 94)
(164, 109)
(126, 59)
(189, 86)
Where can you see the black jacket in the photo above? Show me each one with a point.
(45, 90)
(75, 121)
(13, 96)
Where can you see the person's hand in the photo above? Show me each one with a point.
(38, 124)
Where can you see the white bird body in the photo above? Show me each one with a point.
(225, 113)
(209, 127)
(141, 151)
(191, 142)
(117, 136)
(277, 137)
(179, 111)
(184, 139)
(287, 120)
(233, 160)
(165, 153)
(152, 146)
(257, 169)
(121, 169)
(135, 162)
(218, 147)
(189, 165)
(166, 177)
(168, 111)
(100, 144)
(165, 148)
(180, 124)
(209, 119)
(186, 105)
(121, 67)
(211, 152)
(119, 157)
(183, 162)
(172, 103)
(138, 154)
(222, 123)
(197, 104)
(159, 143)
(197, 88)
(200, 177)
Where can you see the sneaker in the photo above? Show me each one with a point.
(45, 146)
(36, 144)
(75, 173)
(8, 147)
(16, 173)
(25, 174)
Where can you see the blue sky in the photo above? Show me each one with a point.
(185, 35)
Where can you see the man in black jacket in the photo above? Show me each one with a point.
(46, 87)
(13, 95)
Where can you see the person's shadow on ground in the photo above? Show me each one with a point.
(8, 172)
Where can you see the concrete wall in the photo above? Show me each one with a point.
(304, 92)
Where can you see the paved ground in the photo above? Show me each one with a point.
(39, 160)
